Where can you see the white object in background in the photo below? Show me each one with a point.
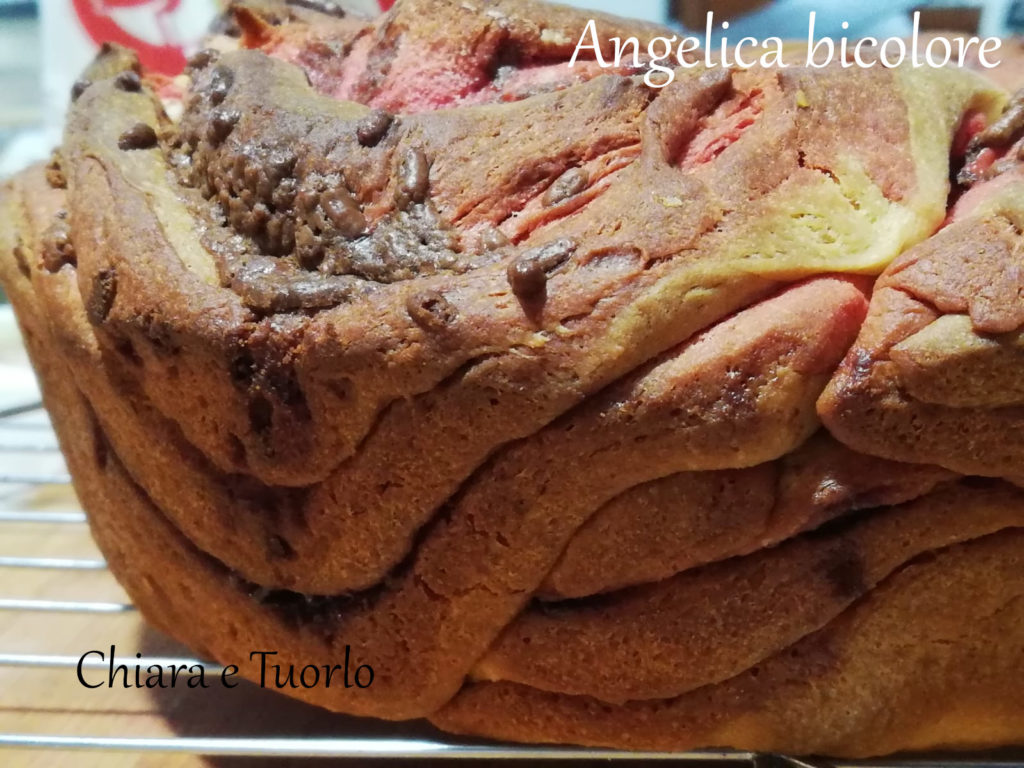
(17, 382)
(26, 148)
(648, 10)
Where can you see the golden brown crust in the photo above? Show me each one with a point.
(350, 351)
(471, 574)
(935, 374)
(685, 520)
(352, 400)
(781, 373)
(974, 700)
(930, 659)
(669, 635)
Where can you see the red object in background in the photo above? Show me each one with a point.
(166, 56)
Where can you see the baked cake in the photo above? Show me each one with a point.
(580, 410)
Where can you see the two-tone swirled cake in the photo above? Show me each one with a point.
(581, 410)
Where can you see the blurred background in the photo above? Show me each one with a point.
(45, 44)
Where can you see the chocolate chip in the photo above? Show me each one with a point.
(371, 129)
(553, 254)
(528, 275)
(343, 212)
(492, 239)
(101, 295)
(430, 309)
(128, 81)
(528, 279)
(570, 183)
(279, 165)
(202, 59)
(1005, 129)
(139, 136)
(274, 292)
(220, 83)
(79, 88)
(413, 178)
(222, 122)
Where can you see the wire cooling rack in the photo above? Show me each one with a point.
(43, 707)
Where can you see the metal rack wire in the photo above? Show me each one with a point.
(35, 438)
